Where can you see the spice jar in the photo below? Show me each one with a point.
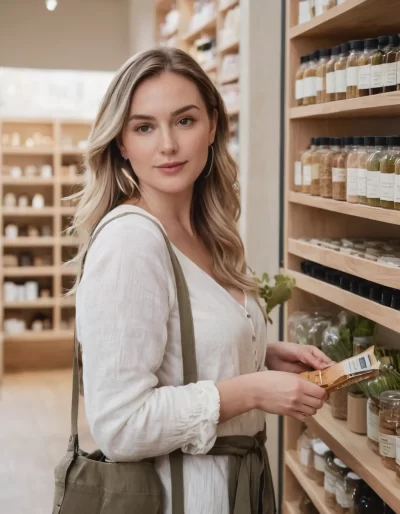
(310, 80)
(389, 419)
(377, 60)
(397, 185)
(363, 154)
(373, 172)
(324, 56)
(387, 172)
(344, 492)
(390, 66)
(364, 66)
(340, 73)
(339, 171)
(352, 170)
(330, 482)
(306, 163)
(330, 74)
(317, 158)
(298, 177)
(373, 424)
(326, 167)
(353, 485)
(356, 48)
(299, 90)
(320, 451)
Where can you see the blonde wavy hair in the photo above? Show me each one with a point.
(110, 180)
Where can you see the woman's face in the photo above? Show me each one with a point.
(167, 135)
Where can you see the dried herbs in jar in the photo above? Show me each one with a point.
(389, 420)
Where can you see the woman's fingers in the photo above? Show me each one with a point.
(316, 358)
(315, 403)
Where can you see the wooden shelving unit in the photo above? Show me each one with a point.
(48, 348)
(307, 217)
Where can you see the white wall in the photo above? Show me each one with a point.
(79, 34)
(141, 24)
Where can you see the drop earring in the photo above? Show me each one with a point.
(211, 159)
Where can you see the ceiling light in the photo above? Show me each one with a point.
(51, 4)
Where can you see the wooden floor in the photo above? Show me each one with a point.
(34, 431)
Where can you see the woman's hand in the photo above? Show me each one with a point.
(295, 358)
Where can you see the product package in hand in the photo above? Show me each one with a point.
(345, 373)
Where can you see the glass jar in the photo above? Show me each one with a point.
(340, 72)
(305, 453)
(330, 74)
(327, 165)
(344, 492)
(389, 419)
(320, 451)
(363, 154)
(352, 170)
(377, 61)
(352, 486)
(373, 425)
(397, 185)
(387, 172)
(298, 174)
(310, 80)
(340, 470)
(366, 501)
(318, 156)
(390, 67)
(299, 90)
(356, 48)
(364, 66)
(324, 56)
(338, 400)
(373, 172)
(330, 482)
(306, 163)
(339, 171)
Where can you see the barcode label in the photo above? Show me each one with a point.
(357, 364)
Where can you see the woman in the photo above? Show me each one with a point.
(159, 147)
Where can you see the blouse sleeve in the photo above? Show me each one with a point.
(123, 305)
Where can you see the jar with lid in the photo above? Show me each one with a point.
(389, 419)
(373, 424)
(339, 170)
(340, 73)
(327, 165)
(299, 90)
(335, 472)
(356, 48)
(306, 163)
(344, 492)
(298, 175)
(353, 484)
(324, 56)
(373, 172)
(364, 66)
(387, 172)
(366, 501)
(317, 158)
(352, 170)
(377, 60)
(310, 80)
(390, 66)
(330, 74)
(321, 452)
(305, 453)
(363, 154)
(397, 185)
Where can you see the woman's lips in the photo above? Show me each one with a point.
(171, 168)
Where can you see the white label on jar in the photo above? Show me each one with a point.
(362, 182)
(390, 74)
(372, 425)
(364, 77)
(386, 186)
(341, 497)
(373, 184)
(387, 445)
(397, 189)
(319, 463)
(310, 87)
(330, 82)
(398, 450)
(338, 174)
(352, 76)
(299, 89)
(340, 79)
(398, 72)
(352, 182)
(330, 483)
(304, 11)
(319, 84)
(315, 171)
(319, 7)
(305, 456)
(377, 76)
(307, 175)
(297, 173)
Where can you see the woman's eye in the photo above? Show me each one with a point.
(143, 129)
(185, 122)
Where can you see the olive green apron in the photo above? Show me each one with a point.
(89, 484)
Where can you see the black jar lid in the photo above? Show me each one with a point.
(325, 52)
(358, 141)
(380, 141)
(324, 141)
(315, 55)
(336, 141)
(303, 59)
(336, 50)
(344, 48)
(371, 43)
(369, 140)
(356, 44)
(348, 141)
(394, 40)
(393, 141)
(383, 41)
(314, 140)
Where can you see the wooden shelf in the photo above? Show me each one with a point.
(315, 492)
(22, 150)
(45, 335)
(375, 106)
(28, 211)
(67, 301)
(351, 209)
(40, 303)
(374, 17)
(359, 267)
(67, 211)
(29, 271)
(385, 316)
(25, 181)
(209, 26)
(228, 5)
(71, 181)
(291, 508)
(30, 242)
(232, 47)
(70, 241)
(72, 151)
(352, 449)
(69, 269)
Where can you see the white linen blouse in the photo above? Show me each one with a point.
(128, 326)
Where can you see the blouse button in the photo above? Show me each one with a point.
(253, 338)
(248, 315)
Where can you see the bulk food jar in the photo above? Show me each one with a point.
(364, 66)
(356, 48)
(390, 66)
(373, 172)
(327, 165)
(377, 61)
(387, 172)
(389, 420)
(330, 74)
(306, 164)
(363, 154)
(299, 90)
(321, 452)
(310, 80)
(339, 171)
(352, 169)
(340, 73)
(335, 471)
(324, 56)
(317, 159)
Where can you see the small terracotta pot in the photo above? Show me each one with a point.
(357, 413)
